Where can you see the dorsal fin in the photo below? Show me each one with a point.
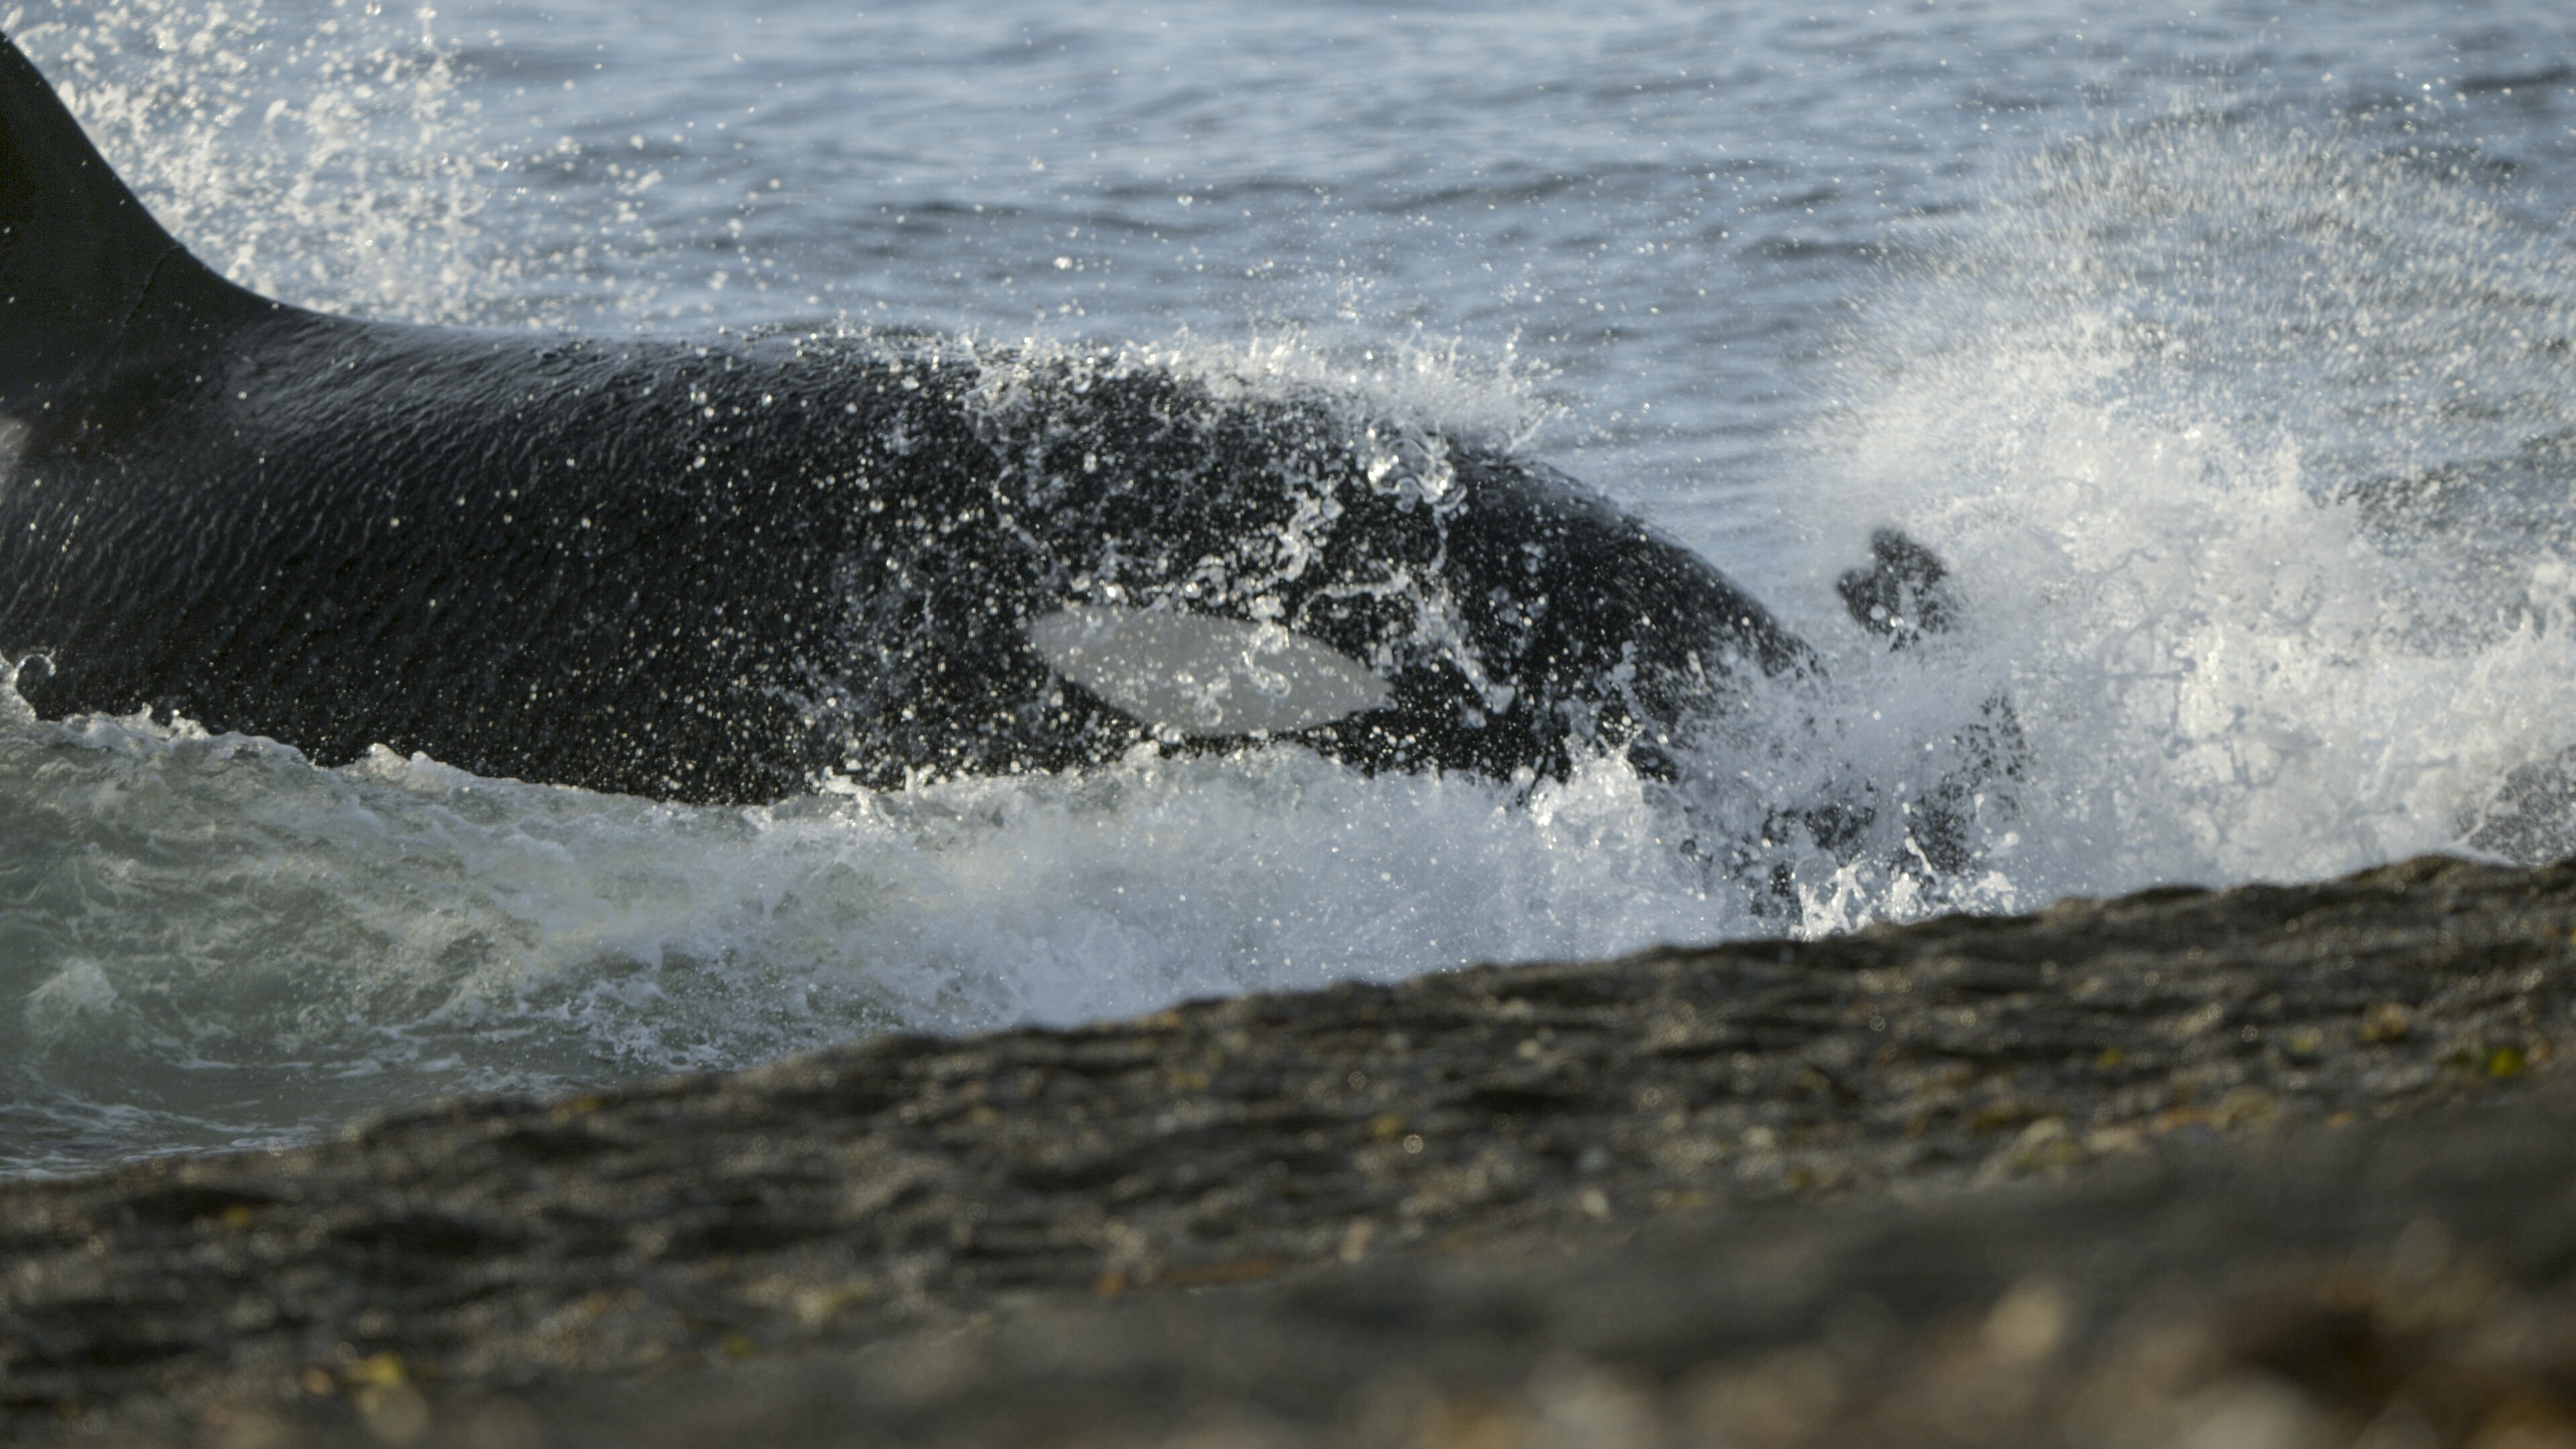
(77, 250)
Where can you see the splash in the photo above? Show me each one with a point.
(1418, 382)
(2228, 429)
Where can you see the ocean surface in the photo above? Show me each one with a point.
(2226, 355)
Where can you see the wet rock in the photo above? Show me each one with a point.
(2156, 1170)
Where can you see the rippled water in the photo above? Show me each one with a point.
(2225, 358)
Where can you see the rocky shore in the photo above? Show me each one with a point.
(2278, 1166)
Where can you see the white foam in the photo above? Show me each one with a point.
(212, 920)
(2132, 408)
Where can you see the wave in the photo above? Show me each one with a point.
(226, 942)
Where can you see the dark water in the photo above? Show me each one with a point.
(2226, 356)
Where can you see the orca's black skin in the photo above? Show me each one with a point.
(711, 573)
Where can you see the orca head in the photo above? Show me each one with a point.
(1209, 559)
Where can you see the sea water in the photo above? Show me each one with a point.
(2224, 355)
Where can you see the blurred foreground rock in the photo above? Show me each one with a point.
(2270, 1167)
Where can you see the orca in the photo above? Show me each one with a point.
(730, 571)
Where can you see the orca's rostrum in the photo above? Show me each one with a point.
(721, 572)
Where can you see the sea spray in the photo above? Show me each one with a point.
(322, 157)
(2168, 406)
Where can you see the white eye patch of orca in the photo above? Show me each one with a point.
(1198, 675)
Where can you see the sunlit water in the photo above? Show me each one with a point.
(2227, 362)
